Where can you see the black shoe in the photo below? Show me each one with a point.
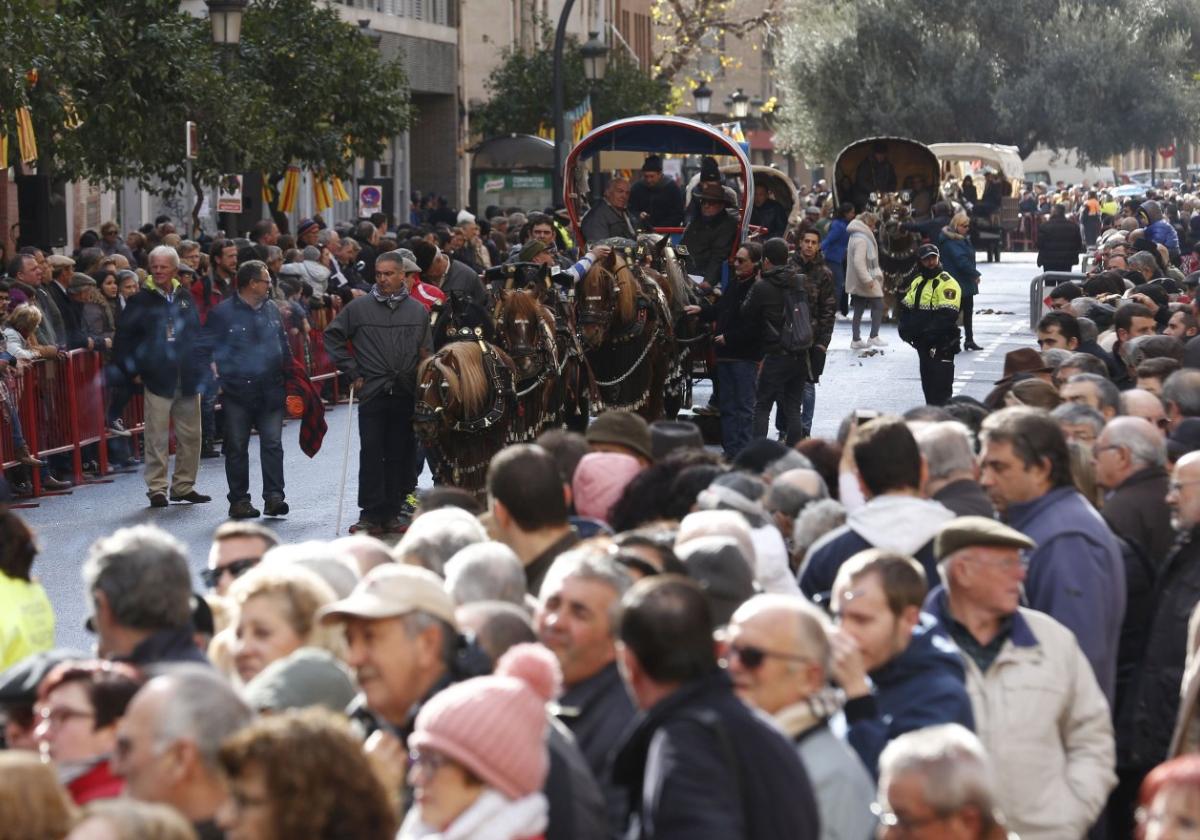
(209, 451)
(193, 497)
(971, 345)
(397, 524)
(158, 500)
(52, 483)
(275, 507)
(366, 526)
(243, 510)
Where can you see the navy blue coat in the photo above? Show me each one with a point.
(159, 340)
(250, 349)
(958, 258)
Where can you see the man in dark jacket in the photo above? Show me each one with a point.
(709, 238)
(822, 304)
(158, 341)
(951, 471)
(917, 677)
(783, 374)
(611, 217)
(699, 764)
(250, 351)
(390, 333)
(448, 274)
(768, 213)
(1130, 457)
(655, 200)
(1060, 241)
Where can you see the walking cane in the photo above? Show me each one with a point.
(345, 461)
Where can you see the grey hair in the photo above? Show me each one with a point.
(1106, 392)
(1183, 389)
(815, 521)
(187, 245)
(326, 236)
(1084, 363)
(202, 707)
(1055, 356)
(1077, 414)
(951, 764)
(947, 448)
(719, 523)
(435, 537)
(1146, 446)
(143, 573)
(1142, 259)
(274, 252)
(334, 567)
(486, 571)
(164, 251)
(1079, 306)
(812, 625)
(418, 621)
(1088, 331)
(594, 564)
(790, 460)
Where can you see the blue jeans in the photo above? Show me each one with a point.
(781, 379)
(737, 403)
(265, 414)
(810, 405)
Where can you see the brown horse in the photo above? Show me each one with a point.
(662, 264)
(625, 329)
(464, 408)
(525, 330)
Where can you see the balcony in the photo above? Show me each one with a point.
(428, 11)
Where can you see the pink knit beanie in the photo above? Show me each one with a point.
(599, 481)
(495, 726)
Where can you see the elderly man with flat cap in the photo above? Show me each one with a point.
(1038, 708)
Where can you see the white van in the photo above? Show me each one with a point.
(1054, 165)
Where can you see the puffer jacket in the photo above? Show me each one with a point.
(958, 258)
(833, 246)
(763, 309)
(1045, 725)
(864, 277)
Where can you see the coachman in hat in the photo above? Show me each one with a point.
(711, 235)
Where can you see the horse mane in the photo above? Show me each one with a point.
(470, 381)
(518, 304)
(626, 289)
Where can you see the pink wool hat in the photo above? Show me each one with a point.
(599, 481)
(495, 726)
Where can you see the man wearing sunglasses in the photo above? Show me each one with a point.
(237, 547)
(777, 652)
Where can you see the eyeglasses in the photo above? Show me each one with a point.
(890, 819)
(428, 762)
(61, 715)
(237, 568)
(753, 657)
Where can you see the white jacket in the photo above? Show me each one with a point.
(864, 277)
(1046, 726)
(490, 817)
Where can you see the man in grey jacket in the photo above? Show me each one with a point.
(390, 334)
(777, 652)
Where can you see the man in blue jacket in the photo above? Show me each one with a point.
(699, 764)
(251, 354)
(1076, 574)
(157, 344)
(899, 671)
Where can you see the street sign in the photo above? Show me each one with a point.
(229, 194)
(370, 200)
(193, 141)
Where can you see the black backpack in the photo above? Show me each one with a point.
(796, 332)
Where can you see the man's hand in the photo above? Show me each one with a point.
(387, 755)
(357, 293)
(1146, 301)
(601, 252)
(847, 665)
(47, 352)
(691, 309)
(720, 339)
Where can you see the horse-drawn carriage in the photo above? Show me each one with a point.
(554, 346)
(988, 162)
(779, 187)
(897, 179)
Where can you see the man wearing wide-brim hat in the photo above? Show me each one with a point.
(1032, 690)
(1022, 362)
(711, 235)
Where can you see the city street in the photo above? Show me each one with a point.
(886, 381)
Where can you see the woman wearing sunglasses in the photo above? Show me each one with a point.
(79, 706)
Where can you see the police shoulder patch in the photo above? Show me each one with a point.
(950, 294)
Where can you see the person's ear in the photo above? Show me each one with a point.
(501, 515)
(910, 618)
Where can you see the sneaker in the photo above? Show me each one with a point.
(858, 344)
(243, 510)
(117, 428)
(275, 507)
(409, 505)
(366, 526)
(397, 524)
(877, 341)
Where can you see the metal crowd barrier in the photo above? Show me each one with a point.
(1037, 291)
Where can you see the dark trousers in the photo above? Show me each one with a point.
(781, 379)
(387, 450)
(208, 405)
(266, 415)
(737, 403)
(937, 374)
(968, 318)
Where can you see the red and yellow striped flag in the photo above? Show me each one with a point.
(26, 140)
(268, 195)
(339, 190)
(290, 191)
(3, 151)
(322, 201)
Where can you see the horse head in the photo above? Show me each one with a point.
(452, 388)
(525, 332)
(606, 300)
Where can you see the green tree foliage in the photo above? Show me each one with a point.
(1102, 76)
(306, 87)
(522, 95)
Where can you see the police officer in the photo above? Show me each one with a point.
(929, 322)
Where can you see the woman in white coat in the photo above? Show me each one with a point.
(864, 279)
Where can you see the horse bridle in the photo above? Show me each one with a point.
(502, 387)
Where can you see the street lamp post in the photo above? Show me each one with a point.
(597, 61)
(226, 19)
(703, 96)
(741, 104)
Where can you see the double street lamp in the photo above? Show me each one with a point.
(595, 60)
(703, 96)
(226, 19)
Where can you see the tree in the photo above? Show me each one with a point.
(1024, 72)
(692, 24)
(521, 90)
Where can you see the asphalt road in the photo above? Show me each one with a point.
(886, 381)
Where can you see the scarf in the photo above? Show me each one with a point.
(391, 300)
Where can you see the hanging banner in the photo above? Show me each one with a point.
(26, 141)
(229, 194)
(192, 140)
(290, 191)
(322, 200)
(268, 195)
(579, 120)
(339, 190)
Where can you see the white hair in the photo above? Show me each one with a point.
(435, 537)
(951, 764)
(1146, 446)
(164, 251)
(947, 448)
(486, 571)
(719, 523)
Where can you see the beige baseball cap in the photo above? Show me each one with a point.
(390, 591)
